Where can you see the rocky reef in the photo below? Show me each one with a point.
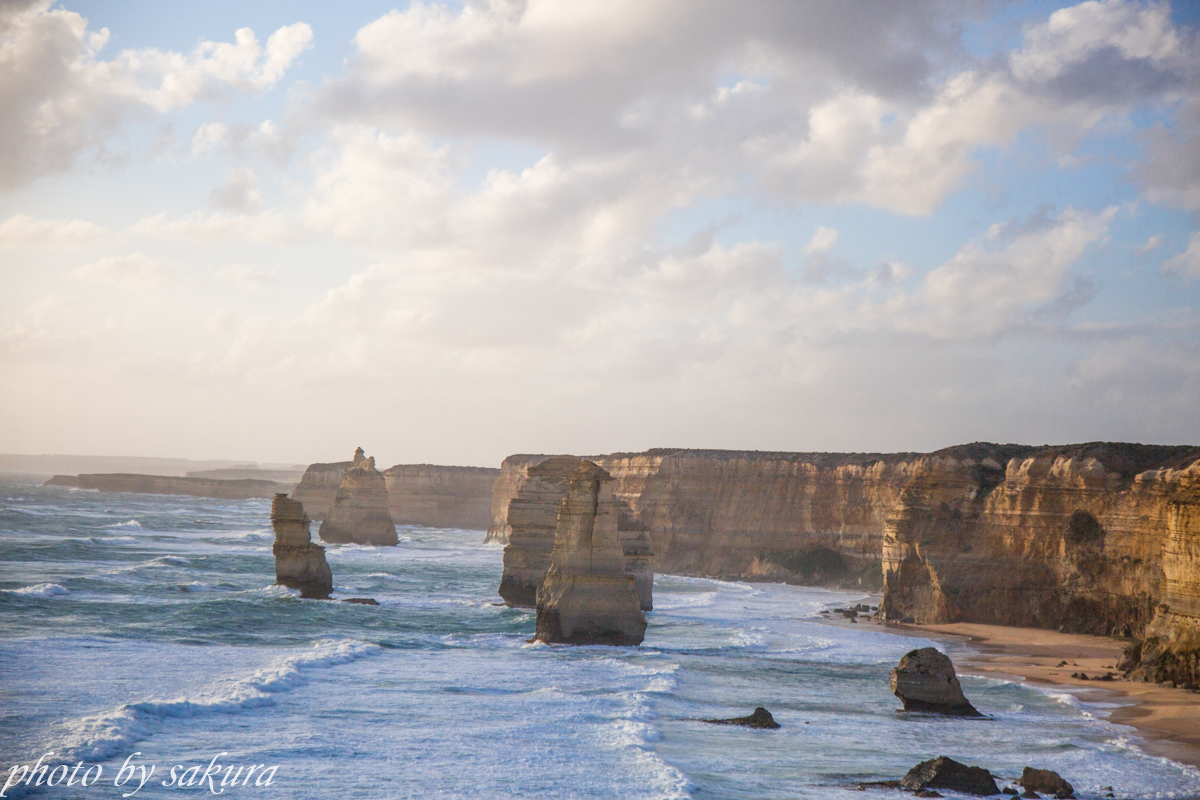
(299, 564)
(438, 496)
(586, 597)
(359, 513)
(925, 681)
(165, 484)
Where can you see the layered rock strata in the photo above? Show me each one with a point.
(440, 496)
(165, 484)
(531, 521)
(586, 597)
(320, 483)
(359, 513)
(299, 564)
(925, 681)
(514, 471)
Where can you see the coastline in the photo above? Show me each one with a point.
(1167, 720)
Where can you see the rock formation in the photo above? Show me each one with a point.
(514, 471)
(761, 718)
(586, 597)
(1092, 538)
(1046, 781)
(946, 773)
(320, 482)
(438, 496)
(359, 513)
(299, 564)
(925, 681)
(164, 484)
(532, 518)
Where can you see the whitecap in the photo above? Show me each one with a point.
(42, 590)
(131, 525)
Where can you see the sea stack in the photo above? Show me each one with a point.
(299, 564)
(359, 513)
(532, 521)
(925, 681)
(586, 597)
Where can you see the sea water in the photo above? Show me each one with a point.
(149, 624)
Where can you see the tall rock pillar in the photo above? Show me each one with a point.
(299, 564)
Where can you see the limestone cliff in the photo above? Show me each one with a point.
(320, 482)
(299, 564)
(586, 597)
(165, 484)
(514, 471)
(532, 518)
(439, 496)
(359, 513)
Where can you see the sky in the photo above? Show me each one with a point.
(276, 231)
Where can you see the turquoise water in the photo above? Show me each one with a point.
(148, 624)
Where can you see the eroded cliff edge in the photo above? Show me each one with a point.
(1095, 538)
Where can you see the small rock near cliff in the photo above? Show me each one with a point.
(946, 773)
(1047, 781)
(925, 681)
(761, 718)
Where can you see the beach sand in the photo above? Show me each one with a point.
(1167, 719)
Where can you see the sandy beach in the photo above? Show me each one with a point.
(1167, 719)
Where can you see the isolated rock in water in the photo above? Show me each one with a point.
(946, 773)
(925, 681)
(586, 597)
(761, 718)
(532, 521)
(359, 513)
(299, 564)
(1046, 781)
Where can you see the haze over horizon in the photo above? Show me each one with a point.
(451, 232)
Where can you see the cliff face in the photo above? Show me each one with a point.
(299, 564)
(163, 484)
(586, 597)
(439, 496)
(319, 484)
(532, 519)
(514, 471)
(359, 513)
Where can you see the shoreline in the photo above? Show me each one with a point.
(1167, 721)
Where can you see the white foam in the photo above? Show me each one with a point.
(42, 590)
(131, 525)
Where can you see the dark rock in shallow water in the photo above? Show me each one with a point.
(362, 601)
(946, 773)
(1047, 781)
(925, 681)
(761, 718)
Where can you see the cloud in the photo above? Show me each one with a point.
(248, 276)
(238, 193)
(61, 99)
(1153, 243)
(1186, 263)
(135, 269)
(22, 230)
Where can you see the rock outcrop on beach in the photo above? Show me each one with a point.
(946, 773)
(925, 681)
(1046, 781)
(359, 513)
(760, 718)
(586, 597)
(437, 496)
(299, 564)
(165, 484)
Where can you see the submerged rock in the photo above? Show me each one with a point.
(299, 564)
(925, 681)
(1047, 781)
(359, 513)
(946, 773)
(761, 718)
(586, 597)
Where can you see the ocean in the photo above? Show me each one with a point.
(149, 625)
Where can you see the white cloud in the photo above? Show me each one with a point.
(238, 193)
(61, 99)
(248, 276)
(1153, 243)
(22, 230)
(1188, 262)
(135, 269)
(822, 241)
